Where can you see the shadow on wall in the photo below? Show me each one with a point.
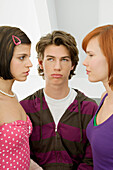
(97, 100)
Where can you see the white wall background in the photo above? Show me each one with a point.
(38, 17)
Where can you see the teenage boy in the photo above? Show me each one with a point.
(59, 114)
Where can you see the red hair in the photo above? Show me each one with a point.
(105, 38)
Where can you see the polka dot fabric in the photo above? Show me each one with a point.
(14, 145)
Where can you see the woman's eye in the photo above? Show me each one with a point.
(91, 55)
(22, 57)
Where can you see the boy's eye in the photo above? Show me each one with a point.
(65, 59)
(50, 59)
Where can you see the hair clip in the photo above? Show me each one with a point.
(16, 40)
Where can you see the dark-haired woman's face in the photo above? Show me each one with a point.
(95, 62)
(20, 63)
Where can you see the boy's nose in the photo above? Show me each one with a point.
(57, 65)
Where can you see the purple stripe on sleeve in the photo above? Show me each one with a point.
(84, 166)
(35, 136)
(88, 107)
(31, 106)
(88, 152)
(69, 133)
(73, 107)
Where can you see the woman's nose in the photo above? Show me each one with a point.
(29, 63)
(85, 62)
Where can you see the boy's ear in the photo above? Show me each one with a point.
(72, 67)
(40, 63)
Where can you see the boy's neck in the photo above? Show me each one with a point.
(57, 92)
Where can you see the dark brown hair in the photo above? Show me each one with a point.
(58, 38)
(7, 47)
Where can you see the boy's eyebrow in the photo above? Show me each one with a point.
(66, 57)
(61, 57)
(50, 56)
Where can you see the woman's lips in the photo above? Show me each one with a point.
(87, 72)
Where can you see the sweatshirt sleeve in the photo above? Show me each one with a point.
(88, 108)
(87, 161)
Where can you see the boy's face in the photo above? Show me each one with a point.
(56, 64)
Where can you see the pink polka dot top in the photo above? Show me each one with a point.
(14, 145)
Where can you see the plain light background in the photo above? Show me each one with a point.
(39, 17)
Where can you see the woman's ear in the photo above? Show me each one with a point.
(40, 63)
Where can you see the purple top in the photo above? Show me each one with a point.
(101, 139)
